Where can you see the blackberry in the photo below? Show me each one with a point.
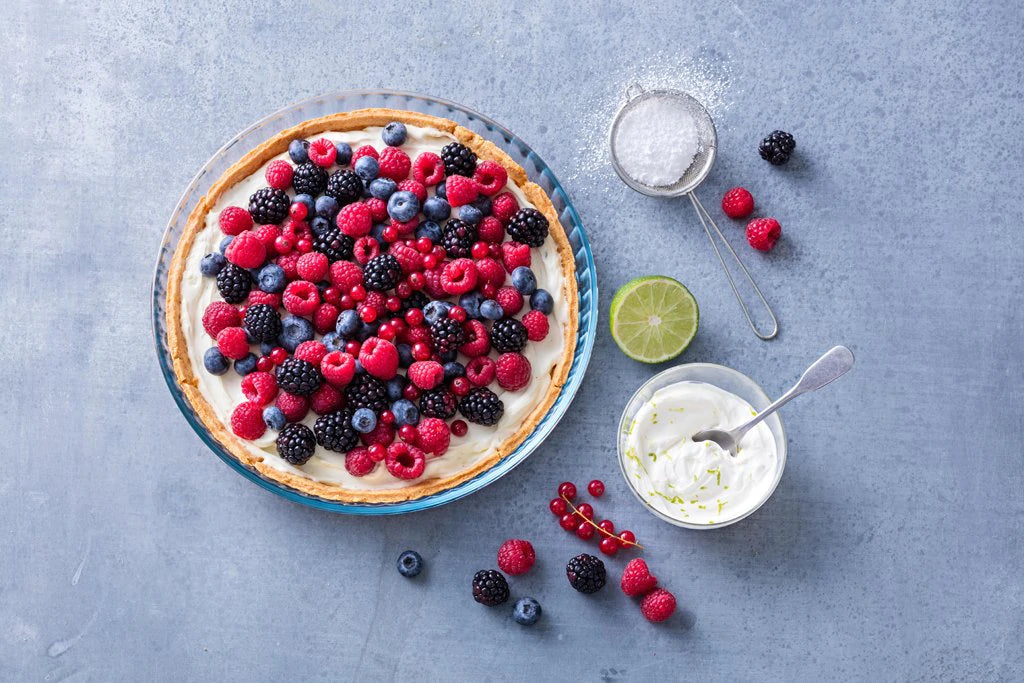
(586, 573)
(457, 237)
(482, 406)
(508, 334)
(299, 377)
(458, 159)
(334, 244)
(367, 392)
(438, 403)
(309, 179)
(382, 273)
(490, 587)
(345, 186)
(415, 300)
(263, 323)
(334, 431)
(776, 148)
(447, 335)
(296, 443)
(269, 205)
(234, 283)
(528, 226)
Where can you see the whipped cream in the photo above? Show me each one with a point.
(224, 392)
(698, 483)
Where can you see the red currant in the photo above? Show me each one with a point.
(417, 281)
(480, 250)
(393, 303)
(607, 525)
(461, 386)
(403, 290)
(439, 252)
(407, 433)
(626, 538)
(298, 211)
(368, 314)
(387, 417)
(264, 364)
(282, 245)
(596, 488)
(459, 427)
(414, 317)
(567, 489)
(278, 355)
(332, 295)
(420, 351)
(390, 233)
(424, 245)
(586, 510)
(585, 531)
(377, 452)
(489, 290)
(568, 522)
(352, 348)
(496, 250)
(429, 262)
(457, 313)
(411, 392)
(347, 303)
(304, 245)
(558, 506)
(386, 332)
(609, 546)
(358, 293)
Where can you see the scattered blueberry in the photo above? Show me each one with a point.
(271, 278)
(395, 387)
(225, 242)
(348, 323)
(367, 168)
(436, 310)
(491, 310)
(320, 225)
(441, 191)
(403, 206)
(266, 348)
(436, 209)
(410, 564)
(541, 301)
(471, 302)
(449, 356)
(211, 264)
(382, 188)
(364, 420)
(524, 280)
(377, 233)
(274, 418)
(367, 330)
(393, 134)
(359, 367)
(327, 206)
(298, 150)
(404, 355)
(527, 611)
(453, 370)
(243, 366)
(430, 230)
(215, 362)
(295, 330)
(344, 153)
(470, 214)
(484, 205)
(308, 200)
(333, 341)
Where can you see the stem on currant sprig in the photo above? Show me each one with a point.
(593, 524)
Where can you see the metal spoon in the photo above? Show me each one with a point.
(831, 366)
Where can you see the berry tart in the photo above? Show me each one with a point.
(372, 306)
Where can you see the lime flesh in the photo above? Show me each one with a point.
(654, 318)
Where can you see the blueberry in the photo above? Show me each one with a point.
(274, 418)
(470, 214)
(403, 206)
(382, 188)
(367, 168)
(524, 280)
(441, 191)
(327, 206)
(541, 301)
(377, 233)
(363, 420)
(404, 355)
(333, 341)
(211, 264)
(243, 366)
(393, 134)
(471, 302)
(215, 362)
(344, 153)
(359, 367)
(367, 330)
(453, 370)
(295, 330)
(320, 225)
(437, 209)
(271, 278)
(527, 611)
(395, 387)
(410, 564)
(491, 310)
(436, 310)
(405, 412)
(430, 230)
(225, 242)
(308, 200)
(348, 323)
(266, 348)
(449, 356)
(298, 150)
(483, 204)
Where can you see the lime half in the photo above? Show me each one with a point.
(654, 318)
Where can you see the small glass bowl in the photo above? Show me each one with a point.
(724, 378)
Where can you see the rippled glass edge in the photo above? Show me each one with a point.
(520, 152)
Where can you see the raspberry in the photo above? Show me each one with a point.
(322, 152)
(491, 230)
(376, 300)
(513, 371)
(491, 271)
(738, 203)
(301, 297)
(481, 370)
(311, 352)
(461, 190)
(259, 387)
(478, 341)
(433, 284)
(345, 275)
(355, 220)
(258, 296)
(219, 315)
(234, 220)
(379, 357)
(514, 254)
(504, 206)
(378, 209)
(658, 605)
(381, 434)
(763, 233)
(294, 407)
(432, 435)
(312, 266)
(326, 399)
(246, 251)
(325, 318)
(409, 258)
(338, 368)
(247, 420)
(426, 374)
(428, 169)
(510, 300)
(515, 556)
(536, 324)
(406, 229)
(358, 462)
(459, 276)
(637, 578)
(289, 264)
(394, 164)
(419, 334)
(267, 234)
(231, 341)
(490, 177)
(364, 151)
(414, 186)
(365, 250)
(404, 461)
(279, 174)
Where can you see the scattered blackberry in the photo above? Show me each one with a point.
(482, 406)
(382, 273)
(508, 334)
(263, 323)
(366, 391)
(458, 159)
(457, 237)
(528, 226)
(269, 205)
(345, 186)
(776, 148)
(490, 587)
(334, 244)
(415, 300)
(299, 377)
(447, 335)
(309, 179)
(334, 431)
(234, 283)
(296, 443)
(586, 573)
(438, 403)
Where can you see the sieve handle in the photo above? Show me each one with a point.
(705, 221)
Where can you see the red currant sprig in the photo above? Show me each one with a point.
(581, 519)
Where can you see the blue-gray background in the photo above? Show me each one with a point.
(892, 548)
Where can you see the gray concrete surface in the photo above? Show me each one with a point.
(892, 549)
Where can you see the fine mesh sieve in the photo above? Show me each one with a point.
(694, 175)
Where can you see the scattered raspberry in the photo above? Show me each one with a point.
(375, 300)
(426, 374)
(378, 209)
(294, 407)
(345, 275)
(428, 169)
(365, 250)
(338, 368)
(461, 190)
(738, 203)
(246, 251)
(355, 220)
(513, 371)
(232, 343)
(358, 462)
(379, 356)
(515, 556)
(536, 324)
(258, 296)
(394, 164)
(481, 370)
(432, 435)
(490, 177)
(311, 351)
(433, 284)
(322, 152)
(279, 174)
(414, 186)
(267, 235)
(409, 258)
(247, 420)
(491, 271)
(301, 297)
(234, 220)
(637, 578)
(406, 229)
(418, 334)
(325, 318)
(259, 387)
(364, 151)
(478, 341)
(218, 315)
(658, 605)
(312, 266)
(491, 230)
(514, 254)
(510, 300)
(504, 206)
(382, 434)
(458, 276)
(326, 399)
(404, 461)
(289, 264)
(763, 233)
